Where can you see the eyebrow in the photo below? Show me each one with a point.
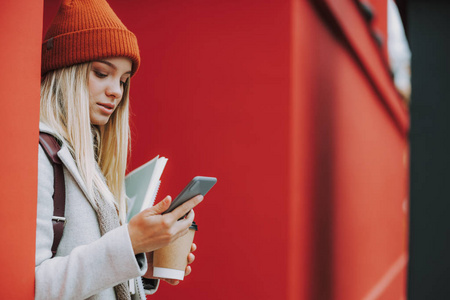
(111, 65)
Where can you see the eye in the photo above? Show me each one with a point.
(124, 82)
(100, 74)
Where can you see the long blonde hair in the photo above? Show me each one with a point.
(100, 152)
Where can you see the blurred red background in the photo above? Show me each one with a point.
(290, 105)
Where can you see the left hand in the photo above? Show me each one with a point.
(190, 260)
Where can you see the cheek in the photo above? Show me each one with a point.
(94, 85)
(91, 94)
(123, 92)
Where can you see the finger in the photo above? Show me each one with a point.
(193, 247)
(184, 208)
(189, 214)
(159, 208)
(187, 271)
(190, 217)
(191, 258)
(172, 281)
(182, 226)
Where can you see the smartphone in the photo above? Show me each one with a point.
(199, 185)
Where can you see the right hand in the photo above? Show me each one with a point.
(150, 230)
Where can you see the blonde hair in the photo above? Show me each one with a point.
(100, 152)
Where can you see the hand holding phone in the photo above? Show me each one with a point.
(200, 185)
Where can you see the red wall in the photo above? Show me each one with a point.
(291, 106)
(21, 23)
(213, 97)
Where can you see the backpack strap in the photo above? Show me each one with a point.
(51, 148)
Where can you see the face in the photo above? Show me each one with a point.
(107, 79)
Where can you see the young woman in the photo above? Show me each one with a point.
(88, 58)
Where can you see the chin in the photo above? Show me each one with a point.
(99, 121)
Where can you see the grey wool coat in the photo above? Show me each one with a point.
(86, 265)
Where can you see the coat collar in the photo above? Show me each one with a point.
(68, 161)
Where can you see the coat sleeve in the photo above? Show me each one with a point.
(88, 269)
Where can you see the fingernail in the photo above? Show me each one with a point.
(200, 197)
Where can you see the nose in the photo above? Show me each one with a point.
(114, 89)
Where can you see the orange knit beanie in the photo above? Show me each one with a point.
(84, 31)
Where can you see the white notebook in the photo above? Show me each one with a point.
(141, 185)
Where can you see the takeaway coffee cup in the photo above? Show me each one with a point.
(170, 262)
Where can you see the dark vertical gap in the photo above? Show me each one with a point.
(324, 76)
(323, 198)
(429, 265)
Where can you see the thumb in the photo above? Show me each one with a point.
(160, 207)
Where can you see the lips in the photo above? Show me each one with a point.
(107, 108)
(107, 105)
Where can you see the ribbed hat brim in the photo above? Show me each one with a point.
(89, 45)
